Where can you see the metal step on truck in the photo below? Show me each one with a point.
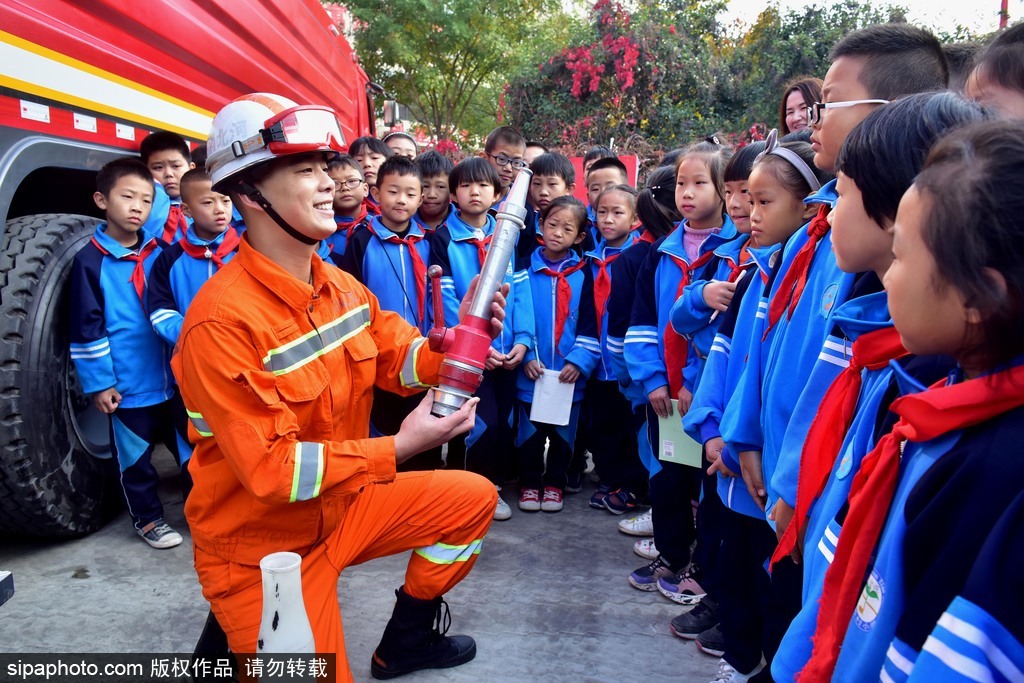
(82, 82)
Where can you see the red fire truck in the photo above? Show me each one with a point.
(83, 82)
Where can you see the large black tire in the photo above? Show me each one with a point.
(56, 474)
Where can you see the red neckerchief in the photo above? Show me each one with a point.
(676, 346)
(563, 297)
(873, 351)
(370, 207)
(923, 417)
(793, 282)
(743, 261)
(175, 220)
(228, 244)
(138, 278)
(419, 268)
(603, 282)
(481, 247)
(648, 237)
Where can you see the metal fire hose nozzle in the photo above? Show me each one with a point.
(463, 365)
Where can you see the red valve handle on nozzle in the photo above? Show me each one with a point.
(440, 338)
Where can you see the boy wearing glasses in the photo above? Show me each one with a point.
(350, 192)
(504, 150)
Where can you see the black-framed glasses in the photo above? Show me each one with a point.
(503, 160)
(814, 111)
(350, 184)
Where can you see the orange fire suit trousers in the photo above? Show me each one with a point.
(441, 515)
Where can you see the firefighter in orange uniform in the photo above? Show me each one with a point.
(277, 361)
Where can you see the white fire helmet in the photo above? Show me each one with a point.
(260, 126)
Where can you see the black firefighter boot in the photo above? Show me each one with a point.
(415, 639)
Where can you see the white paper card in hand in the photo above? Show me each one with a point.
(552, 400)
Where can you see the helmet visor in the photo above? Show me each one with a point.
(304, 129)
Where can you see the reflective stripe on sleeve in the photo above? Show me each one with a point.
(442, 553)
(308, 474)
(408, 376)
(199, 423)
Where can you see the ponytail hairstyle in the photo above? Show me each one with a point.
(656, 203)
(974, 183)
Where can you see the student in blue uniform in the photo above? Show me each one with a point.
(167, 157)
(182, 268)
(389, 255)
(623, 479)
(460, 246)
(370, 152)
(437, 197)
(875, 167)
(656, 357)
(601, 174)
(565, 342)
(936, 494)
(120, 360)
(350, 193)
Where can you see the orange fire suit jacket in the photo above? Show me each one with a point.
(277, 377)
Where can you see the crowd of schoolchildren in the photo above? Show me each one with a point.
(835, 314)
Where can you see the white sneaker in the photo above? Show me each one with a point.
(502, 511)
(727, 674)
(645, 548)
(641, 525)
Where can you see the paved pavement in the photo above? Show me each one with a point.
(548, 599)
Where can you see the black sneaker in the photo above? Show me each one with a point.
(691, 624)
(711, 642)
(575, 483)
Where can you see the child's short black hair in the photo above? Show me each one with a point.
(474, 170)
(960, 57)
(199, 156)
(609, 162)
(114, 170)
(671, 157)
(506, 135)
(433, 163)
(974, 181)
(656, 203)
(575, 206)
(345, 161)
(899, 59)
(802, 135)
(1002, 61)
(742, 161)
(401, 134)
(537, 143)
(628, 190)
(400, 166)
(597, 152)
(163, 140)
(553, 163)
(191, 177)
(371, 143)
(886, 150)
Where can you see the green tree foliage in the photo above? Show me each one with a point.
(667, 72)
(446, 60)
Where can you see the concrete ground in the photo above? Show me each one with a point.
(548, 599)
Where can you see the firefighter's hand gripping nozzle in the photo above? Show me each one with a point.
(467, 346)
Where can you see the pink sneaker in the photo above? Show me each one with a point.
(552, 500)
(529, 500)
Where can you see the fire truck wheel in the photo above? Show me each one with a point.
(56, 474)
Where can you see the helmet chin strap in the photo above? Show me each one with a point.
(250, 191)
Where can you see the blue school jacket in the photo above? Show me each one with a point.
(154, 225)
(620, 308)
(578, 344)
(337, 242)
(112, 341)
(174, 281)
(451, 247)
(656, 287)
(385, 268)
(606, 367)
(426, 228)
(721, 374)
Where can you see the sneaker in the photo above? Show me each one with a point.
(691, 624)
(529, 500)
(597, 498)
(645, 548)
(641, 525)
(727, 674)
(159, 534)
(646, 578)
(552, 500)
(683, 587)
(621, 501)
(502, 511)
(711, 642)
(575, 483)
